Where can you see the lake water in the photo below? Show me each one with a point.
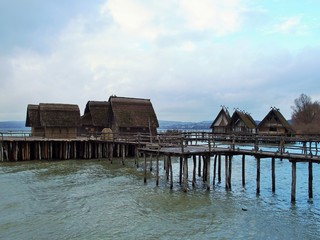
(81, 199)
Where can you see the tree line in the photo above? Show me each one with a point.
(306, 115)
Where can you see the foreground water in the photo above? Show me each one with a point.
(97, 200)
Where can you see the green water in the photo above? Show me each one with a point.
(80, 199)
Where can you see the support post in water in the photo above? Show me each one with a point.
(230, 171)
(273, 175)
(170, 169)
(258, 175)
(199, 166)
(226, 172)
(180, 170)
(293, 182)
(310, 190)
(219, 169)
(243, 170)
(185, 174)
(145, 168)
(208, 171)
(214, 170)
(194, 170)
(157, 170)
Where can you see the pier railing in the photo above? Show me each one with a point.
(304, 145)
(14, 134)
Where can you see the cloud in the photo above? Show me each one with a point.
(186, 62)
(290, 25)
(222, 17)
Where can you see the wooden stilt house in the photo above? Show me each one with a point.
(95, 117)
(242, 123)
(132, 115)
(51, 120)
(120, 115)
(221, 122)
(274, 123)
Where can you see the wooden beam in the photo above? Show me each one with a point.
(258, 175)
(243, 170)
(310, 180)
(293, 181)
(273, 175)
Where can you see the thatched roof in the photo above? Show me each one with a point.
(275, 113)
(133, 112)
(53, 115)
(245, 118)
(223, 114)
(33, 118)
(96, 114)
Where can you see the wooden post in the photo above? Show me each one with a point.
(118, 150)
(258, 175)
(170, 169)
(208, 171)
(111, 152)
(1, 152)
(180, 170)
(226, 172)
(157, 170)
(230, 171)
(293, 182)
(150, 168)
(243, 170)
(310, 180)
(219, 169)
(273, 175)
(39, 148)
(137, 157)
(214, 170)
(199, 166)
(145, 168)
(194, 170)
(185, 174)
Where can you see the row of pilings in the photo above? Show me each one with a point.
(201, 168)
(26, 150)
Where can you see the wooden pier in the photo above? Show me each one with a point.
(208, 147)
(202, 146)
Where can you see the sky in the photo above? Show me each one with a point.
(189, 57)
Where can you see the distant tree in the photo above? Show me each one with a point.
(306, 115)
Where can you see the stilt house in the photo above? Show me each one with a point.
(122, 115)
(275, 124)
(132, 115)
(221, 122)
(95, 117)
(242, 123)
(51, 120)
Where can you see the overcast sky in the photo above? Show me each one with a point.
(188, 56)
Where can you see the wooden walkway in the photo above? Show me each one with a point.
(205, 149)
(201, 146)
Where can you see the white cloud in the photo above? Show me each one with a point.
(290, 25)
(166, 51)
(221, 17)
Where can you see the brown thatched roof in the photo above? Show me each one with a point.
(223, 114)
(275, 113)
(33, 118)
(245, 118)
(133, 112)
(96, 114)
(53, 115)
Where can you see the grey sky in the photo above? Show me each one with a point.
(189, 57)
